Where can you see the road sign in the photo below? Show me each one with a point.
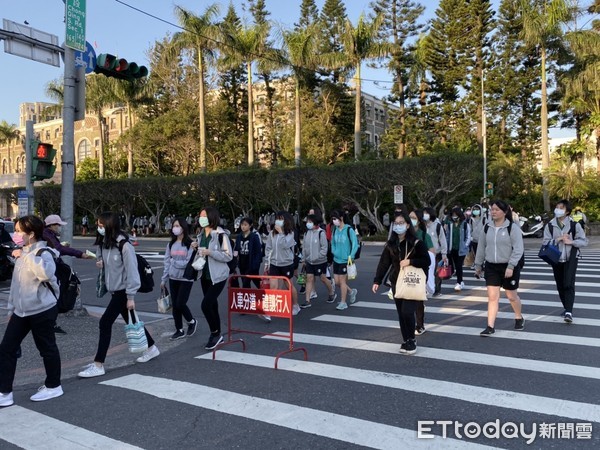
(75, 24)
(86, 59)
(22, 202)
(26, 42)
(398, 194)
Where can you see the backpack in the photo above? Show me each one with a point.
(234, 262)
(360, 244)
(521, 262)
(572, 230)
(68, 283)
(144, 269)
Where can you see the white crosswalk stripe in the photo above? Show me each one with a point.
(521, 371)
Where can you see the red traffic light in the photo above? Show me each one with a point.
(43, 151)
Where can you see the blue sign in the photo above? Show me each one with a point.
(86, 59)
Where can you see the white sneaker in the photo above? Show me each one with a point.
(295, 310)
(458, 287)
(149, 354)
(6, 399)
(313, 294)
(390, 295)
(91, 371)
(45, 393)
(352, 296)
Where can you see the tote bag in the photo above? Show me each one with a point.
(101, 284)
(164, 301)
(411, 283)
(135, 334)
(550, 253)
(351, 270)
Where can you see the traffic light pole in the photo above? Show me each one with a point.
(68, 149)
(29, 165)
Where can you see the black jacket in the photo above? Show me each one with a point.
(395, 251)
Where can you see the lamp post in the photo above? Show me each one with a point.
(484, 136)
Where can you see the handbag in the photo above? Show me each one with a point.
(351, 270)
(190, 273)
(265, 283)
(199, 263)
(302, 277)
(444, 272)
(164, 301)
(101, 289)
(550, 253)
(411, 283)
(136, 335)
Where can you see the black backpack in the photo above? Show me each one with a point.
(68, 283)
(521, 262)
(234, 261)
(144, 269)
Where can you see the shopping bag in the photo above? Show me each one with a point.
(164, 301)
(444, 272)
(199, 263)
(265, 283)
(351, 270)
(550, 253)
(101, 284)
(302, 277)
(411, 284)
(135, 334)
(469, 259)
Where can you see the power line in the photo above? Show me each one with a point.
(216, 41)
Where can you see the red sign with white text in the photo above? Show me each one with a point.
(273, 302)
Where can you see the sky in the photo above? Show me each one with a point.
(112, 27)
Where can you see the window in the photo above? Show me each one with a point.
(113, 123)
(84, 150)
(368, 137)
(96, 142)
(56, 132)
(4, 166)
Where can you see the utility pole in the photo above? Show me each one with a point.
(68, 150)
(28, 165)
(484, 136)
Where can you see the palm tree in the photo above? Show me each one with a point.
(301, 47)
(542, 21)
(360, 43)
(8, 133)
(245, 45)
(99, 94)
(200, 36)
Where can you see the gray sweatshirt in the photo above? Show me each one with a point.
(579, 240)
(28, 296)
(498, 247)
(176, 259)
(120, 271)
(314, 247)
(279, 249)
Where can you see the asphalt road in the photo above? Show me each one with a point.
(355, 390)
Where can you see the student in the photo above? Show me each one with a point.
(436, 231)
(458, 234)
(177, 256)
(31, 307)
(215, 246)
(501, 249)
(344, 245)
(420, 227)
(248, 249)
(117, 256)
(569, 236)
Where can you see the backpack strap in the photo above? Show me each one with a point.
(438, 230)
(45, 283)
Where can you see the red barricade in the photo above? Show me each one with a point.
(272, 302)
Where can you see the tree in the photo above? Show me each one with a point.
(332, 19)
(200, 36)
(309, 14)
(8, 133)
(542, 21)
(360, 44)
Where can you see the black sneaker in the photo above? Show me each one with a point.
(562, 314)
(213, 341)
(179, 334)
(568, 317)
(302, 289)
(419, 331)
(306, 305)
(437, 294)
(487, 332)
(520, 324)
(59, 330)
(332, 298)
(403, 347)
(191, 328)
(410, 347)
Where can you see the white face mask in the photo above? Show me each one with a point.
(279, 223)
(309, 225)
(203, 221)
(336, 222)
(177, 230)
(101, 231)
(426, 217)
(559, 212)
(399, 229)
(414, 222)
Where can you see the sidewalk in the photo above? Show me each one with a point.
(78, 346)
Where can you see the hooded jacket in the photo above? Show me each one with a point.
(579, 240)
(499, 247)
(120, 268)
(477, 224)
(315, 246)
(279, 249)
(220, 255)
(341, 247)
(28, 295)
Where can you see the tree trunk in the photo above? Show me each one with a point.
(598, 150)
(271, 118)
(101, 154)
(358, 93)
(297, 136)
(250, 119)
(201, 119)
(129, 146)
(545, 150)
(402, 143)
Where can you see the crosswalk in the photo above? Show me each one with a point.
(359, 391)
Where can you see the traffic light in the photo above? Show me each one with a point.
(42, 166)
(489, 188)
(111, 66)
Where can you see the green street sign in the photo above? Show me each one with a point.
(75, 24)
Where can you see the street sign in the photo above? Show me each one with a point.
(75, 24)
(26, 42)
(86, 59)
(22, 203)
(398, 194)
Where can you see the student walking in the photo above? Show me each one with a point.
(438, 237)
(569, 236)
(458, 240)
(420, 227)
(215, 246)
(344, 245)
(248, 250)
(177, 257)
(501, 249)
(31, 307)
(117, 256)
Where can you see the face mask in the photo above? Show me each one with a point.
(177, 230)
(414, 222)
(559, 212)
(476, 212)
(279, 223)
(426, 217)
(484, 210)
(203, 221)
(309, 225)
(18, 238)
(336, 222)
(399, 229)
(101, 231)
(455, 218)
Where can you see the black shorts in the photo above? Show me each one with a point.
(317, 270)
(287, 271)
(494, 276)
(340, 269)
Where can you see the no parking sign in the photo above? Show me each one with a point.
(398, 193)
